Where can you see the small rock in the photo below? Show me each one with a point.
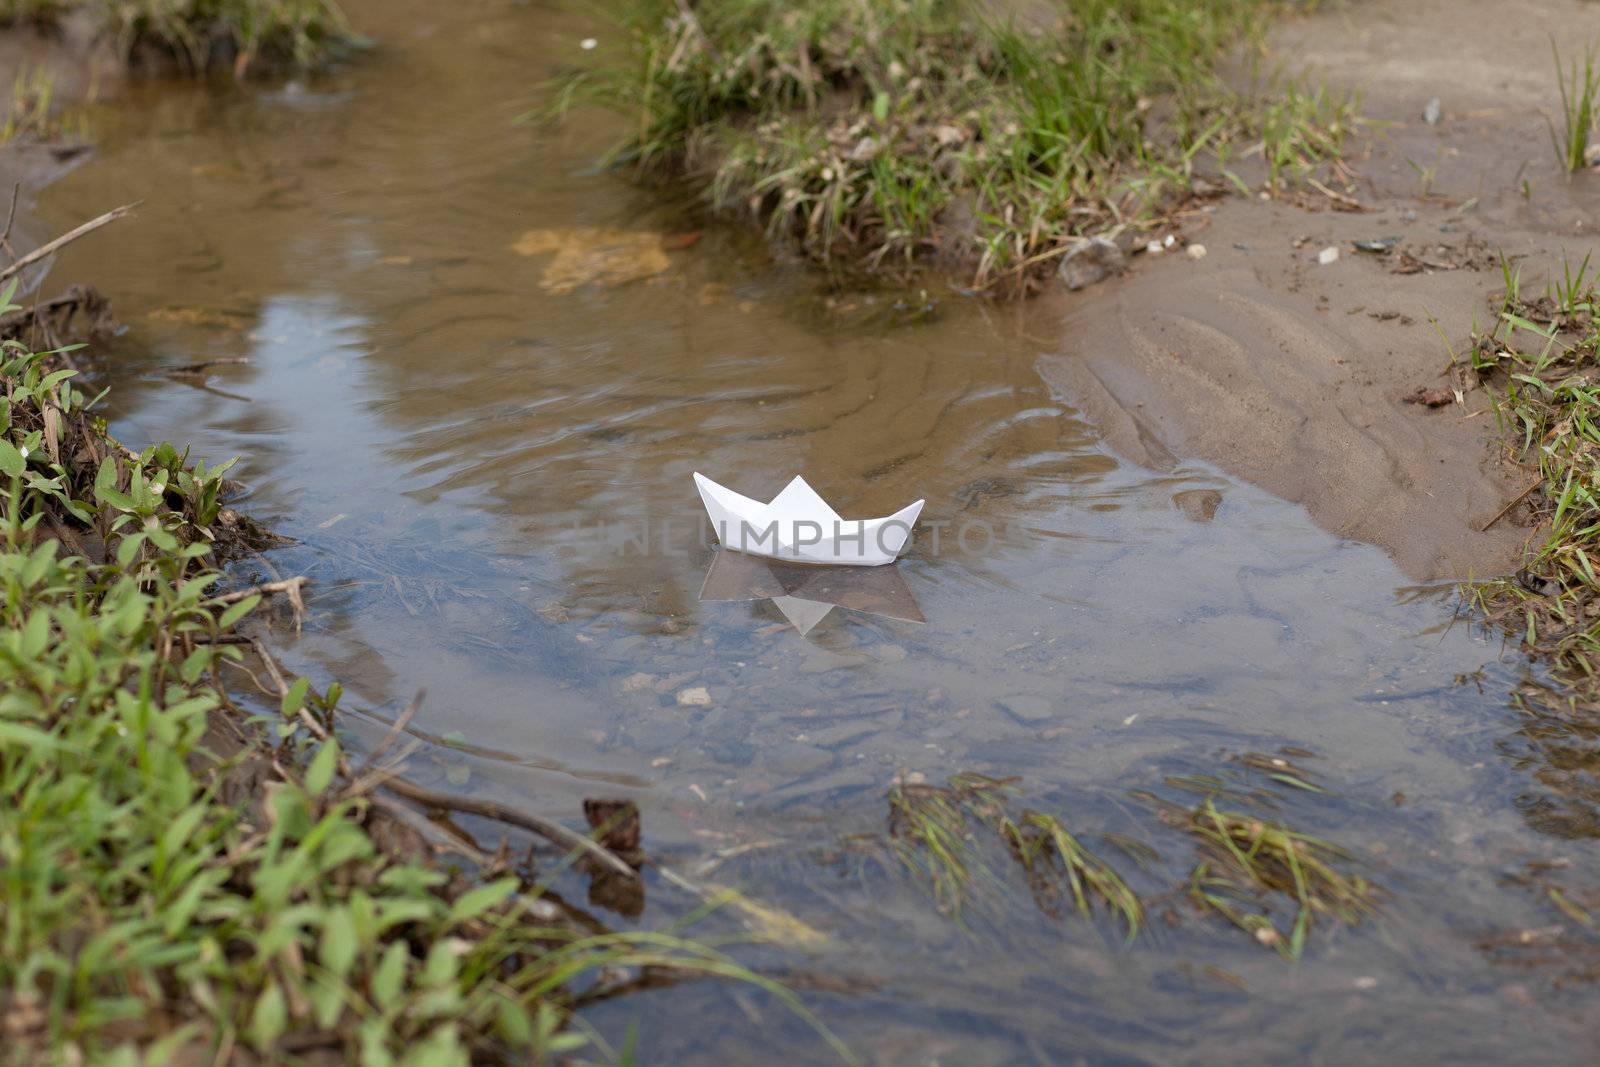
(1198, 505)
(1378, 245)
(1196, 251)
(695, 697)
(1430, 113)
(1433, 398)
(1328, 255)
(635, 682)
(1090, 260)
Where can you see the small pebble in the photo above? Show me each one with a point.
(588, 43)
(1328, 255)
(1196, 251)
(694, 697)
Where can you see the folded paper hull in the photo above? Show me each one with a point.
(798, 526)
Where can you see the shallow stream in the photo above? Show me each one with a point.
(476, 377)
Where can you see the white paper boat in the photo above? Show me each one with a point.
(799, 527)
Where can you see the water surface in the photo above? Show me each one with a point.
(480, 434)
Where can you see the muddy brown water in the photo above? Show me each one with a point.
(468, 420)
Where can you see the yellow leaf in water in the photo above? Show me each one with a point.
(194, 316)
(768, 922)
(593, 255)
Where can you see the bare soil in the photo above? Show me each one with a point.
(1295, 374)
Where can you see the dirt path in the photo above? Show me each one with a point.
(1292, 374)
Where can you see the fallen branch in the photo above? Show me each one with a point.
(49, 248)
(428, 798)
(1513, 502)
(553, 831)
(206, 364)
(289, 587)
(1349, 203)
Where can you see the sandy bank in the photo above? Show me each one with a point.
(1293, 374)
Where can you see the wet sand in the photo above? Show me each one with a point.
(1292, 374)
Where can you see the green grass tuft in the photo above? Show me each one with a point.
(888, 133)
(204, 34)
(1541, 360)
(937, 832)
(1579, 88)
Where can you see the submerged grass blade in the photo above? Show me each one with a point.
(1248, 859)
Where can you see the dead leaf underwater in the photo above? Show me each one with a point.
(594, 255)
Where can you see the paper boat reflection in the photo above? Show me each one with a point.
(807, 594)
(798, 526)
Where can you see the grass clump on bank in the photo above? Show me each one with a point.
(1542, 358)
(890, 132)
(32, 114)
(1579, 89)
(202, 35)
(181, 881)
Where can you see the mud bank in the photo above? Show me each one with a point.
(1293, 373)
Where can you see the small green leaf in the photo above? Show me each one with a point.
(295, 698)
(512, 1019)
(474, 902)
(270, 1017)
(320, 774)
(390, 976)
(441, 965)
(238, 611)
(338, 942)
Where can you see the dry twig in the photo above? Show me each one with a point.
(49, 248)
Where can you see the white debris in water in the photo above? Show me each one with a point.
(1366, 981)
(588, 43)
(1169, 242)
(1328, 255)
(1154, 248)
(1196, 251)
(694, 697)
(1129, 720)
